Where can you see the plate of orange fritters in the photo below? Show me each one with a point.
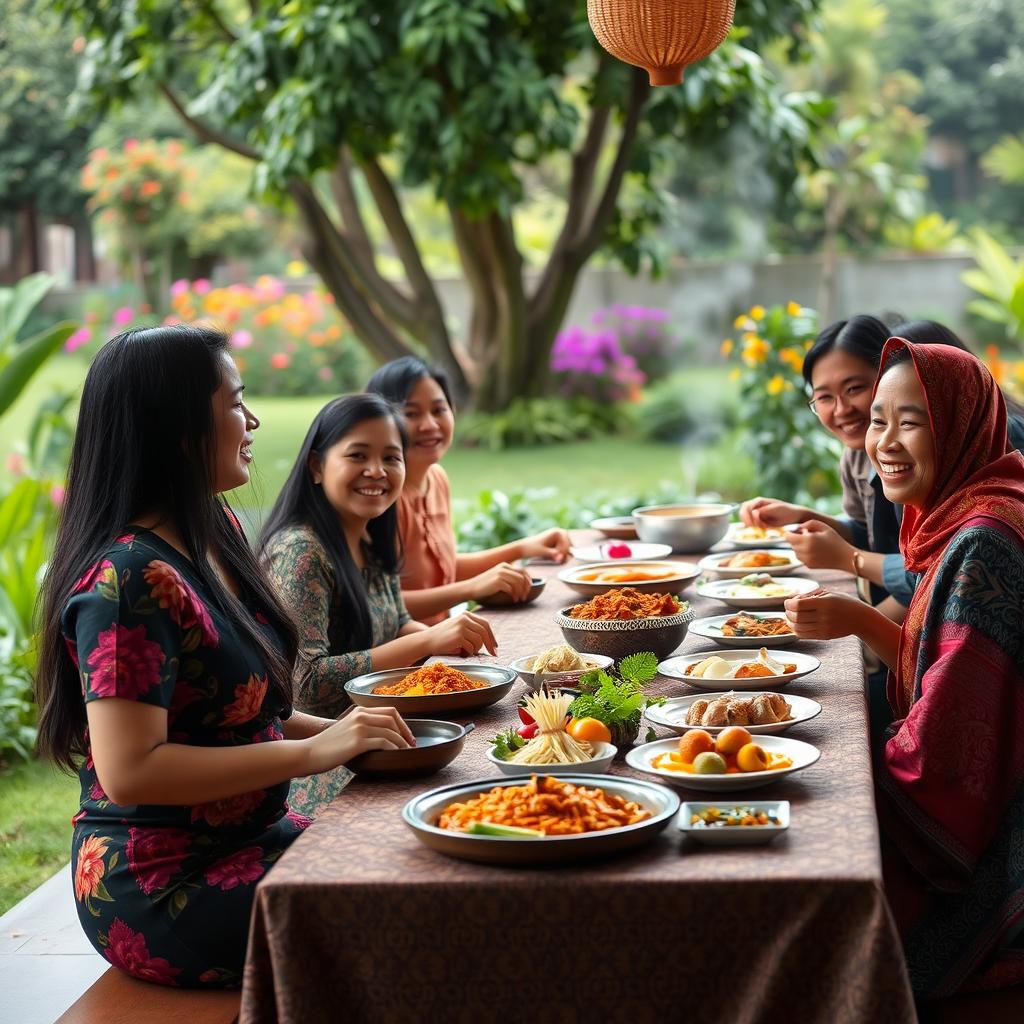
(746, 629)
(759, 713)
(735, 564)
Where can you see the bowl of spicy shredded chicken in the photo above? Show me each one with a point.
(430, 688)
(622, 622)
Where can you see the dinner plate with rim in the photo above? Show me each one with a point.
(773, 537)
(721, 590)
(734, 835)
(802, 754)
(422, 812)
(615, 527)
(497, 682)
(673, 577)
(714, 563)
(638, 552)
(672, 714)
(675, 668)
(710, 628)
(604, 754)
(557, 680)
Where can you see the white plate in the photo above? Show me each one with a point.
(713, 563)
(735, 835)
(681, 575)
(719, 590)
(676, 667)
(620, 527)
(639, 552)
(672, 714)
(802, 754)
(571, 677)
(597, 765)
(711, 629)
(773, 538)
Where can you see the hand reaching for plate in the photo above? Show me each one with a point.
(821, 615)
(770, 512)
(818, 546)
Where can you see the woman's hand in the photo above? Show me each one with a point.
(551, 545)
(463, 634)
(357, 731)
(502, 579)
(769, 512)
(818, 546)
(820, 615)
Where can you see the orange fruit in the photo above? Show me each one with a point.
(589, 730)
(694, 742)
(730, 740)
(752, 758)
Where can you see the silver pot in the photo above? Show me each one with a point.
(695, 528)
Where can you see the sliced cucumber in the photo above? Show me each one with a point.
(489, 828)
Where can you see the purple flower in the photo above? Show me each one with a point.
(124, 315)
(180, 287)
(81, 337)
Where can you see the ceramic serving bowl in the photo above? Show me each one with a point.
(437, 744)
(618, 638)
(561, 680)
(497, 682)
(686, 526)
(604, 754)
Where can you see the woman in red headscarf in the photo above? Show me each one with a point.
(950, 779)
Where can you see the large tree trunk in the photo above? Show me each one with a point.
(27, 247)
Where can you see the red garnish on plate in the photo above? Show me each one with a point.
(619, 551)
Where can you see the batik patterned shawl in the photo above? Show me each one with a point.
(952, 778)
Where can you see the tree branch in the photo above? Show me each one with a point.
(207, 132)
(222, 27)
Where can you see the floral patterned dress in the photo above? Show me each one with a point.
(165, 892)
(301, 569)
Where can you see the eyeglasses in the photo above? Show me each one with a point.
(826, 403)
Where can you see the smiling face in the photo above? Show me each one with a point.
(430, 422)
(841, 395)
(233, 425)
(899, 439)
(362, 473)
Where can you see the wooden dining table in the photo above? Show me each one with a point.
(359, 921)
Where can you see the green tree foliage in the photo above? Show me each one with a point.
(466, 97)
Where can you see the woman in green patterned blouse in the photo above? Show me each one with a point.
(331, 546)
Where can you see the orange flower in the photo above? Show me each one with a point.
(149, 188)
(90, 867)
(248, 701)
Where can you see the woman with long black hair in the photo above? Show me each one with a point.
(332, 548)
(165, 667)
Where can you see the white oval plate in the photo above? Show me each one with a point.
(672, 714)
(676, 667)
(738, 536)
(639, 551)
(597, 765)
(680, 576)
(711, 629)
(719, 591)
(735, 835)
(803, 755)
(619, 527)
(713, 563)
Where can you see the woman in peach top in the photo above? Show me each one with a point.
(435, 577)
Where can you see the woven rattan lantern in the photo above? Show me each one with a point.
(661, 36)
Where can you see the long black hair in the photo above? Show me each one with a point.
(862, 336)
(145, 443)
(303, 503)
(395, 380)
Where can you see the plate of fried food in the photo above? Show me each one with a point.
(764, 713)
(540, 820)
(647, 577)
(431, 688)
(758, 590)
(746, 629)
(735, 564)
(734, 759)
(739, 669)
(756, 536)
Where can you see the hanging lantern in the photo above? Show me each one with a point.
(661, 36)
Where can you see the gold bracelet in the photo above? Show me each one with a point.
(857, 556)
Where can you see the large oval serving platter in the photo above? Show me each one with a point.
(673, 577)
(497, 682)
(672, 714)
(422, 812)
(675, 668)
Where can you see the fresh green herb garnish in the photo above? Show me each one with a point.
(617, 701)
(506, 743)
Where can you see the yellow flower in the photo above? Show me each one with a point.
(296, 268)
(726, 348)
(755, 349)
(777, 385)
(808, 344)
(793, 357)
(995, 364)
(744, 323)
(794, 308)
(757, 312)
(735, 374)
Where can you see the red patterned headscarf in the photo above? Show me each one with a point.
(977, 472)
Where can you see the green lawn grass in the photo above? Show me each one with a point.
(36, 805)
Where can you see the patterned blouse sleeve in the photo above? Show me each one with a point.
(126, 623)
(304, 578)
(395, 582)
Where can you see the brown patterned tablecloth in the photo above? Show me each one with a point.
(360, 922)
